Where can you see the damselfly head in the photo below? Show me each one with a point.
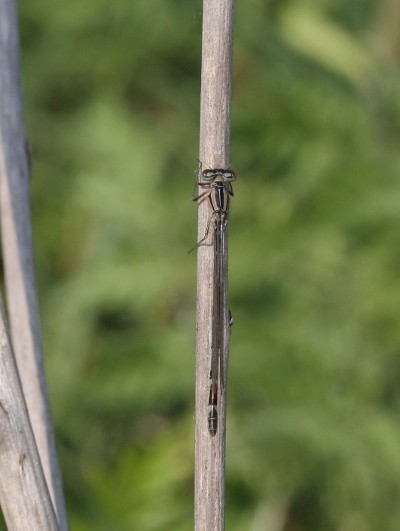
(211, 174)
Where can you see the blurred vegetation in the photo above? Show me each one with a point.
(111, 103)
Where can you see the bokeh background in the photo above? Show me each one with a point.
(111, 94)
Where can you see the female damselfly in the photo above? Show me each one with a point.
(217, 185)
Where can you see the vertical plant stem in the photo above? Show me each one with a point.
(24, 496)
(18, 254)
(214, 153)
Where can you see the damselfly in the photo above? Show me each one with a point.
(218, 190)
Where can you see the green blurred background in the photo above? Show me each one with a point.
(111, 94)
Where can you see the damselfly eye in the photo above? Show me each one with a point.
(208, 175)
(229, 175)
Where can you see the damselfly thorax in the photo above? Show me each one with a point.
(217, 185)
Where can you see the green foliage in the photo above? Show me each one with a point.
(111, 95)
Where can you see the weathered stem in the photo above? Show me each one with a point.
(24, 496)
(18, 254)
(214, 153)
